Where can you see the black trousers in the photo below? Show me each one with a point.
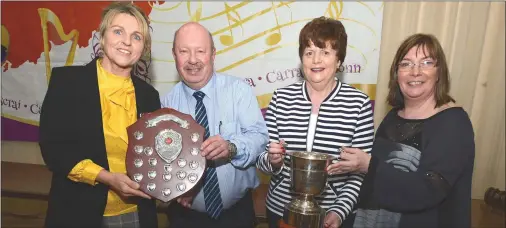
(241, 215)
(273, 220)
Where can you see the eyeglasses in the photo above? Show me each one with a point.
(424, 65)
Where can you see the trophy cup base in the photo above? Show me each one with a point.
(303, 217)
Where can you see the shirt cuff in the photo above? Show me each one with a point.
(85, 171)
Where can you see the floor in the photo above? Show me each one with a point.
(25, 188)
(29, 213)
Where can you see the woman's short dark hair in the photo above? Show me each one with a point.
(434, 50)
(323, 29)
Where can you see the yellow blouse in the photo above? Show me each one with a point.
(117, 99)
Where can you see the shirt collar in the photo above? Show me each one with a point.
(207, 89)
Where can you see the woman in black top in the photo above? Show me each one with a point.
(420, 171)
(83, 128)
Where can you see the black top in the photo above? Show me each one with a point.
(420, 173)
(71, 130)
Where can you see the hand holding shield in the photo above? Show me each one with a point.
(163, 153)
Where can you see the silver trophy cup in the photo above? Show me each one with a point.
(308, 179)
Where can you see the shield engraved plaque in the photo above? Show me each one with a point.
(163, 153)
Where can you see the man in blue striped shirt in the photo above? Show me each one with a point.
(236, 134)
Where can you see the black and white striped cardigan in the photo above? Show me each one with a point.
(345, 118)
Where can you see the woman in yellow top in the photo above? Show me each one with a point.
(83, 123)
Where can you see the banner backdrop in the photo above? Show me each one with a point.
(257, 41)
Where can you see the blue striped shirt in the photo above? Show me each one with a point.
(233, 112)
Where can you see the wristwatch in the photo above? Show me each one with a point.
(233, 150)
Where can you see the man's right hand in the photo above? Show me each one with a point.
(186, 201)
(276, 154)
(121, 184)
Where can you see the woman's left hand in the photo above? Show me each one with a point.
(352, 160)
(332, 220)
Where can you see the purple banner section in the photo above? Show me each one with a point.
(16, 131)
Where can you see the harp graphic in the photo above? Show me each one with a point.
(47, 16)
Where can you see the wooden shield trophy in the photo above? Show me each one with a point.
(163, 153)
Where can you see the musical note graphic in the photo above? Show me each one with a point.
(231, 8)
(198, 13)
(213, 16)
(228, 40)
(274, 38)
(381, 6)
(251, 17)
(260, 34)
(164, 9)
(235, 20)
(47, 16)
(271, 40)
(334, 11)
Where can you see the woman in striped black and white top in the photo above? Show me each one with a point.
(319, 114)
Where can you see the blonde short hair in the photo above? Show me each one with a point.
(128, 8)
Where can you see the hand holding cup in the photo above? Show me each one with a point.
(277, 153)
